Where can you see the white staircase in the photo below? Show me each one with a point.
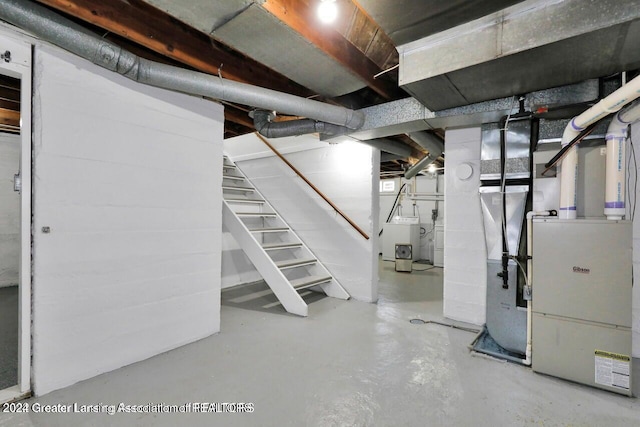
(284, 261)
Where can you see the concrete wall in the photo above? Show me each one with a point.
(9, 210)
(465, 253)
(127, 178)
(348, 174)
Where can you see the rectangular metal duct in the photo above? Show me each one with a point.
(263, 37)
(533, 45)
(203, 15)
(517, 142)
(250, 29)
(408, 20)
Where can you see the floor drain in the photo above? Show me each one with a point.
(417, 322)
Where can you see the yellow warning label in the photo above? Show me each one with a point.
(615, 356)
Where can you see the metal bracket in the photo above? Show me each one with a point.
(17, 182)
(6, 56)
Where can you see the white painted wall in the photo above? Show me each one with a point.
(635, 136)
(348, 174)
(9, 210)
(465, 253)
(237, 269)
(420, 184)
(128, 178)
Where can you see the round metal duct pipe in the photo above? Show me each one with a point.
(70, 36)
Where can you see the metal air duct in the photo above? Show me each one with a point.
(429, 142)
(264, 124)
(70, 36)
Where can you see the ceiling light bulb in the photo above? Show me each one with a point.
(431, 168)
(327, 11)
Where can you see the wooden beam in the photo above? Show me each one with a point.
(238, 116)
(156, 30)
(9, 117)
(300, 16)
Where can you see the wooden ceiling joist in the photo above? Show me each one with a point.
(9, 118)
(300, 16)
(159, 32)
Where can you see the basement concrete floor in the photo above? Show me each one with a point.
(8, 336)
(348, 364)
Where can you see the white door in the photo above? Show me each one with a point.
(15, 216)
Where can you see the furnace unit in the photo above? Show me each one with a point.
(582, 301)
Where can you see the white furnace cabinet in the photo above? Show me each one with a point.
(400, 233)
(582, 301)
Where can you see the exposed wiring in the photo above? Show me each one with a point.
(503, 183)
(449, 325)
(422, 269)
(393, 208)
(395, 203)
(386, 71)
(524, 271)
(563, 152)
(635, 171)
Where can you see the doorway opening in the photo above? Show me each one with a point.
(15, 218)
(9, 229)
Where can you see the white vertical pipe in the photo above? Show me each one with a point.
(529, 277)
(614, 201)
(569, 177)
(569, 166)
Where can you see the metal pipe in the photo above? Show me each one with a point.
(70, 36)
(428, 141)
(419, 166)
(389, 146)
(264, 124)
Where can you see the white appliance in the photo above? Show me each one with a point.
(438, 245)
(581, 300)
(404, 257)
(400, 233)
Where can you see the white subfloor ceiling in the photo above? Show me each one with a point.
(9, 210)
(127, 219)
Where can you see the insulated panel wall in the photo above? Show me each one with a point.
(348, 174)
(465, 253)
(127, 220)
(9, 210)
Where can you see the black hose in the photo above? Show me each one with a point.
(503, 172)
(393, 208)
(573, 142)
